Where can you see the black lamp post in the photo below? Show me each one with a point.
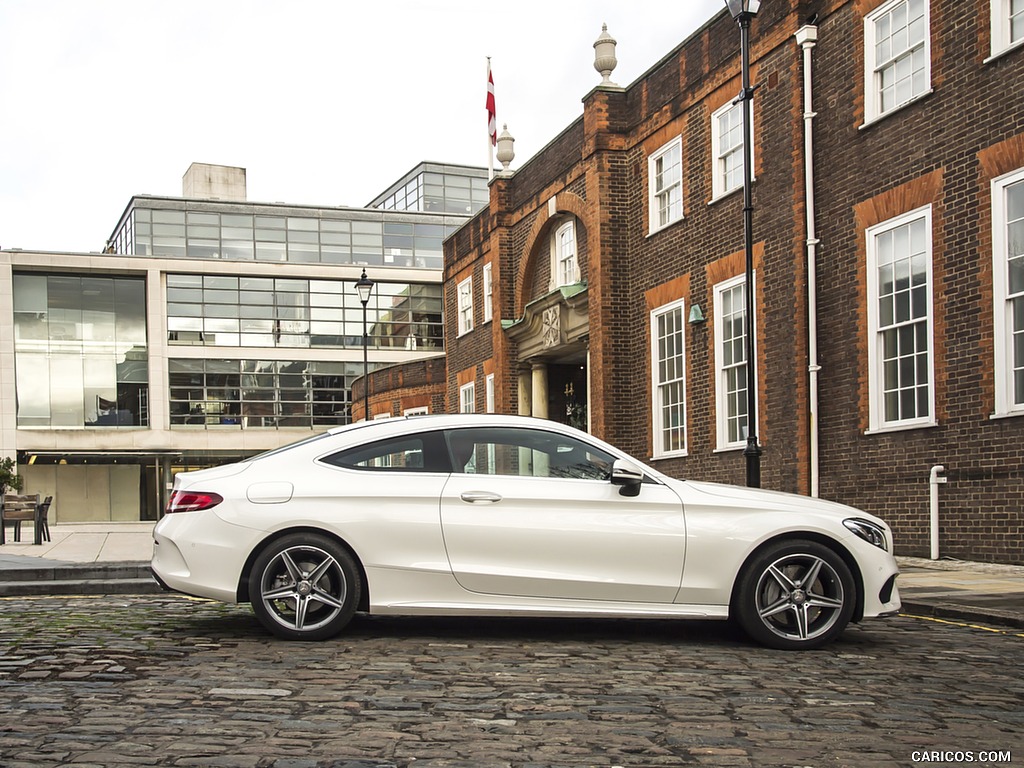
(363, 287)
(743, 11)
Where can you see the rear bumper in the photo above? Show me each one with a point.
(199, 554)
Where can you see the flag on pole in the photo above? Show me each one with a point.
(492, 116)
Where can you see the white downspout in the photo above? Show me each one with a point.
(933, 507)
(806, 37)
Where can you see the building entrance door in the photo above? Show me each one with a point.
(567, 394)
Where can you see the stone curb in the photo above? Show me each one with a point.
(940, 610)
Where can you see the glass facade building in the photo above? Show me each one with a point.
(215, 393)
(195, 231)
(80, 349)
(230, 311)
(437, 188)
(213, 329)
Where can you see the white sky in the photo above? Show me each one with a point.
(324, 102)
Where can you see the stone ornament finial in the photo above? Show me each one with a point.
(604, 55)
(505, 153)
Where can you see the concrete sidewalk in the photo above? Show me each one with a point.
(978, 592)
(80, 543)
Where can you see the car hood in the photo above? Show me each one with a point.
(760, 499)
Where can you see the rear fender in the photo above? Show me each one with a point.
(243, 578)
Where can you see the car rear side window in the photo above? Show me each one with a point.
(397, 454)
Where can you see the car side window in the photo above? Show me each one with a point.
(525, 453)
(399, 454)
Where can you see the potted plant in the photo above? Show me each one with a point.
(9, 478)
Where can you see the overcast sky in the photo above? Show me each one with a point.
(324, 102)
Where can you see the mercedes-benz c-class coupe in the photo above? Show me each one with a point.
(468, 514)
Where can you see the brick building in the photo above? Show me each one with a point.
(604, 285)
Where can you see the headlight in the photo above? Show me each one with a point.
(870, 532)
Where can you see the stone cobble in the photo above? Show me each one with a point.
(168, 681)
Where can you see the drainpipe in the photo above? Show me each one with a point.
(806, 37)
(933, 482)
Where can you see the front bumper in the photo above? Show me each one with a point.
(881, 594)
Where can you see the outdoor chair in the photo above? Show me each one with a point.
(42, 520)
(17, 510)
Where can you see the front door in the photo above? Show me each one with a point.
(532, 513)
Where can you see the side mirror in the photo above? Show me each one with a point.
(628, 477)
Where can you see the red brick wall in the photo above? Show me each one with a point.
(942, 150)
(398, 388)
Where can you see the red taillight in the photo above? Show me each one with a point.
(192, 501)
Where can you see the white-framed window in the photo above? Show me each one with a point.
(421, 410)
(727, 149)
(467, 398)
(897, 56)
(665, 182)
(668, 379)
(488, 291)
(900, 364)
(1007, 25)
(1008, 290)
(564, 267)
(465, 291)
(489, 392)
(731, 363)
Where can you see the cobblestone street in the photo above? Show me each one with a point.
(169, 681)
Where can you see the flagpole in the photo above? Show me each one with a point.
(491, 122)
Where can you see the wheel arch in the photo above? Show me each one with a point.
(826, 541)
(242, 589)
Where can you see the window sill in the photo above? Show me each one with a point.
(1006, 415)
(895, 110)
(730, 448)
(670, 455)
(901, 427)
(723, 195)
(653, 232)
(1008, 49)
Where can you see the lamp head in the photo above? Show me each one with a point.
(363, 287)
(740, 8)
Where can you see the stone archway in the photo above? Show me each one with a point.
(565, 203)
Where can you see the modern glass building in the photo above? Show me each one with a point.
(211, 328)
(437, 188)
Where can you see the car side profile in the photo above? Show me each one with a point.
(512, 516)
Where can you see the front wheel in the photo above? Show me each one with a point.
(795, 595)
(304, 587)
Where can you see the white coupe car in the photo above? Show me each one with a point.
(512, 516)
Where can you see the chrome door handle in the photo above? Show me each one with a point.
(480, 497)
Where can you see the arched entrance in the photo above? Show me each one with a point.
(553, 356)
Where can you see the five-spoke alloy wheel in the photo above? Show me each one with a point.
(795, 595)
(304, 587)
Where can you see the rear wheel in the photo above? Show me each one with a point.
(304, 587)
(795, 595)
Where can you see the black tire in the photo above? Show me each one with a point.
(794, 595)
(304, 586)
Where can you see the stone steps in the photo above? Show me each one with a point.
(86, 579)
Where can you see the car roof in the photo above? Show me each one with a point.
(448, 421)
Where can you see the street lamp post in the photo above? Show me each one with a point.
(743, 11)
(363, 287)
